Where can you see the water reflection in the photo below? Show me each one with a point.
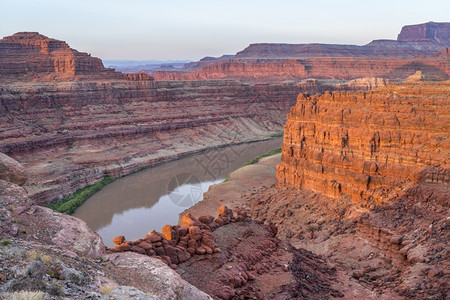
(147, 200)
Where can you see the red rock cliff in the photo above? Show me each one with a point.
(30, 55)
(368, 145)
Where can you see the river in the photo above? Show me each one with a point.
(138, 203)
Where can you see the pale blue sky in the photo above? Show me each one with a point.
(192, 29)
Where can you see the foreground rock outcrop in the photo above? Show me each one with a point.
(176, 244)
(234, 257)
(12, 171)
(371, 146)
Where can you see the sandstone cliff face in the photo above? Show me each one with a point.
(368, 145)
(30, 55)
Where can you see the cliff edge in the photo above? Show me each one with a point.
(368, 145)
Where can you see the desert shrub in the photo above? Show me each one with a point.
(25, 295)
(33, 255)
(106, 289)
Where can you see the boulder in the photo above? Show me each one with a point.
(11, 170)
(155, 277)
(118, 240)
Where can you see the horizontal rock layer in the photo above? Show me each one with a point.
(70, 134)
(369, 145)
(343, 68)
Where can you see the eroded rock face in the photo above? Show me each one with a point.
(368, 145)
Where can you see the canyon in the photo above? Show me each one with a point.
(71, 126)
(355, 207)
(71, 134)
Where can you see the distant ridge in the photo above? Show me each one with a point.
(414, 40)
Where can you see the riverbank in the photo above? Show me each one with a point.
(71, 202)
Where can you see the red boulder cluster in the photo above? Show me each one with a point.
(178, 243)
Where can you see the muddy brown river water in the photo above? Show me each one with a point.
(138, 203)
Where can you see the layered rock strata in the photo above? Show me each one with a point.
(343, 68)
(438, 33)
(368, 145)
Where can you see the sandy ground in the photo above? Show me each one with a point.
(244, 181)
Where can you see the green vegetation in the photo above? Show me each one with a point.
(5, 242)
(70, 203)
(277, 134)
(258, 158)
